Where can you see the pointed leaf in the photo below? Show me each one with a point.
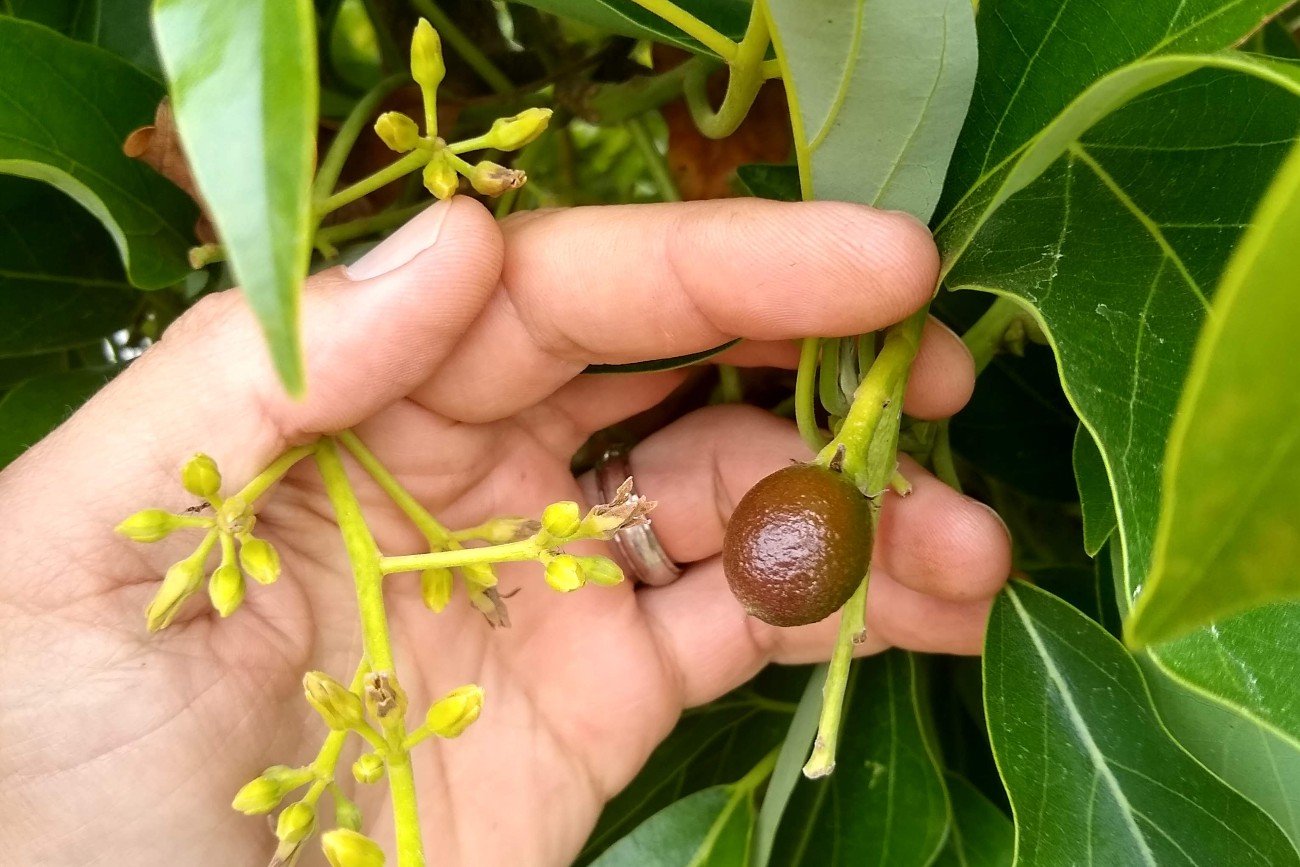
(728, 17)
(245, 92)
(711, 828)
(1088, 766)
(1094, 492)
(878, 92)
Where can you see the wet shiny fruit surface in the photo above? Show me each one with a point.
(798, 545)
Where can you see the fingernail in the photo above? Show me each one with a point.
(402, 246)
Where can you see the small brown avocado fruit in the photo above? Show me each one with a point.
(798, 545)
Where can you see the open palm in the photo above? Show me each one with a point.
(454, 351)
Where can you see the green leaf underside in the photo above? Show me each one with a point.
(1095, 498)
(33, 408)
(789, 766)
(65, 109)
(885, 803)
(662, 363)
(61, 282)
(1089, 769)
(878, 91)
(982, 835)
(1229, 532)
(711, 828)
(728, 17)
(251, 68)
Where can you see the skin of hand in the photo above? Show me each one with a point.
(454, 349)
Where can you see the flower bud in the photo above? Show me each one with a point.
(427, 66)
(236, 516)
(259, 559)
(479, 575)
(435, 588)
(226, 589)
(440, 177)
(181, 581)
(498, 531)
(263, 794)
(456, 711)
(601, 570)
(512, 133)
(398, 131)
(564, 573)
(296, 822)
(562, 519)
(338, 706)
(149, 525)
(346, 847)
(368, 768)
(384, 696)
(346, 813)
(200, 477)
(490, 179)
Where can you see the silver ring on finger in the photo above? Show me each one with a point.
(638, 548)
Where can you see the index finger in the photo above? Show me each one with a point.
(622, 283)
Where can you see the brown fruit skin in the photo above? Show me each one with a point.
(798, 545)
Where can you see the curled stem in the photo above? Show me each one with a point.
(805, 394)
(743, 83)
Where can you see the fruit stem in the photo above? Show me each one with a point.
(852, 627)
(805, 394)
(985, 339)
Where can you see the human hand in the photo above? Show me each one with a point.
(454, 350)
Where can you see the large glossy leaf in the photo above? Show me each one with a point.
(65, 109)
(728, 17)
(886, 803)
(1045, 54)
(61, 282)
(1229, 531)
(32, 409)
(121, 26)
(244, 89)
(1089, 768)
(982, 835)
(878, 92)
(711, 828)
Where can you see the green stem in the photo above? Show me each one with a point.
(510, 552)
(429, 526)
(743, 82)
(609, 104)
(805, 394)
(464, 46)
(941, 459)
(757, 774)
(984, 339)
(331, 236)
(273, 473)
(654, 160)
(327, 176)
(364, 556)
(364, 187)
(822, 760)
(692, 26)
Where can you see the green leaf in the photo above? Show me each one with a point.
(878, 92)
(711, 828)
(728, 17)
(1095, 498)
(1045, 54)
(121, 26)
(245, 91)
(768, 181)
(1251, 757)
(61, 282)
(886, 803)
(32, 409)
(661, 363)
(1089, 768)
(1229, 532)
(789, 766)
(982, 835)
(66, 109)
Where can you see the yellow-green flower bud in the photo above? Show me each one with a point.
(368, 768)
(512, 133)
(236, 516)
(490, 179)
(479, 575)
(226, 589)
(456, 711)
(200, 477)
(498, 531)
(296, 822)
(263, 794)
(564, 573)
(440, 177)
(259, 559)
(346, 847)
(149, 525)
(601, 570)
(346, 813)
(338, 706)
(398, 131)
(427, 66)
(435, 588)
(562, 519)
(180, 583)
